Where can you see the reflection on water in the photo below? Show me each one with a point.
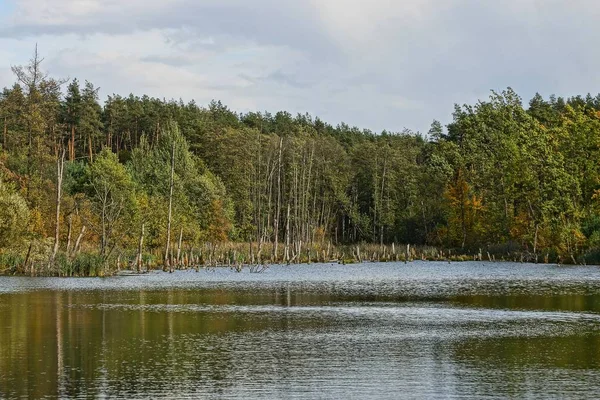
(420, 330)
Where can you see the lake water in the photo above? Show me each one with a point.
(417, 330)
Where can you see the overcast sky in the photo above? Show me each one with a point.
(377, 64)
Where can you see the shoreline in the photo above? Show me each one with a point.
(264, 267)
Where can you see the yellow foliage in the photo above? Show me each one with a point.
(520, 226)
(466, 208)
(320, 234)
(37, 222)
(220, 226)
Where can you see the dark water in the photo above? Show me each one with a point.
(418, 330)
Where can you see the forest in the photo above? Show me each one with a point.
(90, 187)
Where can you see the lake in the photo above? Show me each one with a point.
(386, 330)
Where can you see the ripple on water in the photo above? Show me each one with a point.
(417, 330)
(417, 279)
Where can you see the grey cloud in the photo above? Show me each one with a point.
(273, 22)
(404, 73)
(174, 61)
(293, 80)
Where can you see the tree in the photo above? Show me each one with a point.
(72, 114)
(14, 216)
(60, 167)
(110, 190)
(39, 118)
(12, 103)
(90, 122)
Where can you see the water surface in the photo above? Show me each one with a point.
(417, 330)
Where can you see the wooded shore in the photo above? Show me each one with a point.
(88, 188)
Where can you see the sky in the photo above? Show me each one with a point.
(377, 64)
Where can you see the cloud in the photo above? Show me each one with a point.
(382, 64)
(270, 22)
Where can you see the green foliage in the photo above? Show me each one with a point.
(10, 262)
(500, 176)
(14, 216)
(195, 188)
(85, 264)
(110, 190)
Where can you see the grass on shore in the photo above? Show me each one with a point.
(35, 261)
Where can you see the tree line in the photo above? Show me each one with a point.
(141, 177)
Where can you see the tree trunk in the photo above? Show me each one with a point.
(60, 165)
(535, 239)
(5, 133)
(168, 244)
(178, 258)
(72, 148)
(90, 148)
(103, 239)
(381, 222)
(278, 207)
(140, 248)
(78, 241)
(69, 234)
(424, 221)
(29, 162)
(109, 134)
(26, 262)
(287, 234)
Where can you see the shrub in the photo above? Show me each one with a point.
(14, 215)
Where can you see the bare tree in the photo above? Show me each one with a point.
(78, 241)
(278, 207)
(60, 166)
(168, 245)
(138, 260)
(31, 74)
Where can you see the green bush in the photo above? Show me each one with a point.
(86, 264)
(83, 264)
(14, 215)
(10, 263)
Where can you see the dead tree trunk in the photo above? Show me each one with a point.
(70, 230)
(168, 244)
(140, 248)
(60, 165)
(78, 241)
(287, 234)
(278, 207)
(178, 258)
(381, 226)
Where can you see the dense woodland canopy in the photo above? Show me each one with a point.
(142, 175)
